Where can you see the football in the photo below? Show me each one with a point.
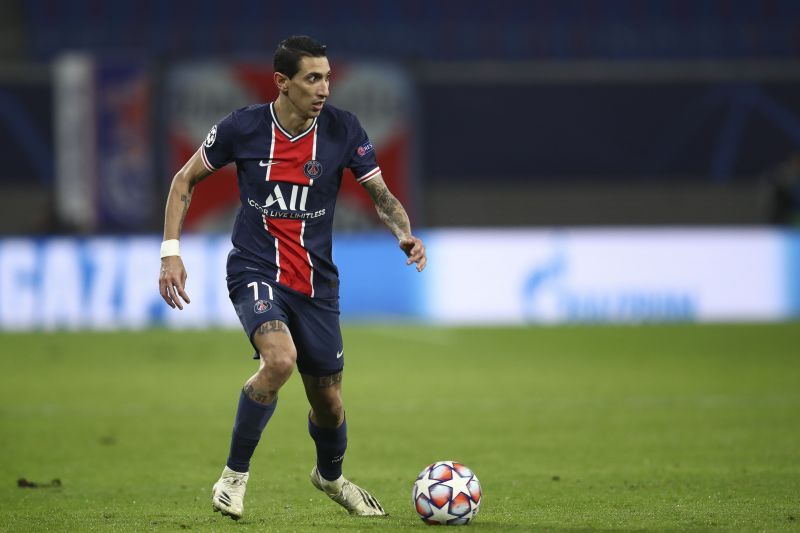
(447, 492)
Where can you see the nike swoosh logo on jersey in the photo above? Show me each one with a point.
(268, 163)
(339, 354)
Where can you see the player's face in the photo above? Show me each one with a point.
(310, 87)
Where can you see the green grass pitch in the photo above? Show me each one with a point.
(679, 427)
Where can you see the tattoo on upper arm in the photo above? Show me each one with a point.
(324, 382)
(273, 325)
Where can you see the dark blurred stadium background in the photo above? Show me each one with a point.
(566, 161)
(533, 114)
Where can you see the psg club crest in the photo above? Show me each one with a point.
(262, 306)
(312, 169)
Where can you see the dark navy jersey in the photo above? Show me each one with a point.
(288, 187)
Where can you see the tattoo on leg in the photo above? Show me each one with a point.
(273, 325)
(260, 395)
(324, 382)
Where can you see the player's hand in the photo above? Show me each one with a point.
(415, 251)
(171, 281)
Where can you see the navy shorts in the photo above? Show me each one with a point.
(313, 322)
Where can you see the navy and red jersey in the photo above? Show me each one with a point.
(288, 186)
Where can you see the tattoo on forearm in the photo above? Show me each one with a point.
(392, 213)
(260, 395)
(272, 325)
(324, 382)
(186, 199)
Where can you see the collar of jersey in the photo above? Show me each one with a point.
(286, 133)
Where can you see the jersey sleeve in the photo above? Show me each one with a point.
(362, 160)
(217, 149)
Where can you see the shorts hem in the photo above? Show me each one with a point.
(320, 373)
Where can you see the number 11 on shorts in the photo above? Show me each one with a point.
(254, 285)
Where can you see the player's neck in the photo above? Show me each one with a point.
(290, 118)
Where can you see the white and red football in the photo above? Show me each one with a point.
(447, 492)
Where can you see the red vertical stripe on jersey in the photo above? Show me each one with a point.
(289, 159)
(295, 267)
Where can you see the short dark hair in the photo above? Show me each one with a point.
(290, 51)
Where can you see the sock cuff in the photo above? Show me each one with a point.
(328, 433)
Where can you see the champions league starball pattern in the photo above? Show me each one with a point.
(447, 493)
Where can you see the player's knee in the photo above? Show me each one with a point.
(278, 358)
(282, 364)
(277, 365)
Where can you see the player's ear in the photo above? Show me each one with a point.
(281, 81)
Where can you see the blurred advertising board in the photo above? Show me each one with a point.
(104, 169)
(612, 275)
(199, 95)
(111, 282)
(476, 277)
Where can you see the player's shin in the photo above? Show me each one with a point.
(251, 419)
(331, 444)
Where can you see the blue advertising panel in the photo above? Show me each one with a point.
(111, 282)
(479, 277)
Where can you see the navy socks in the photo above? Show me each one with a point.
(251, 419)
(331, 445)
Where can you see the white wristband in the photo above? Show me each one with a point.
(170, 247)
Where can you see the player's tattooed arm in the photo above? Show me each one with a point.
(392, 213)
(172, 276)
(390, 210)
(180, 194)
(186, 199)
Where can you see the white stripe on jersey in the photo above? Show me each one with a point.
(314, 145)
(369, 175)
(313, 158)
(204, 157)
(308, 256)
(271, 152)
(277, 253)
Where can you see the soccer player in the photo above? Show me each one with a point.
(289, 156)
